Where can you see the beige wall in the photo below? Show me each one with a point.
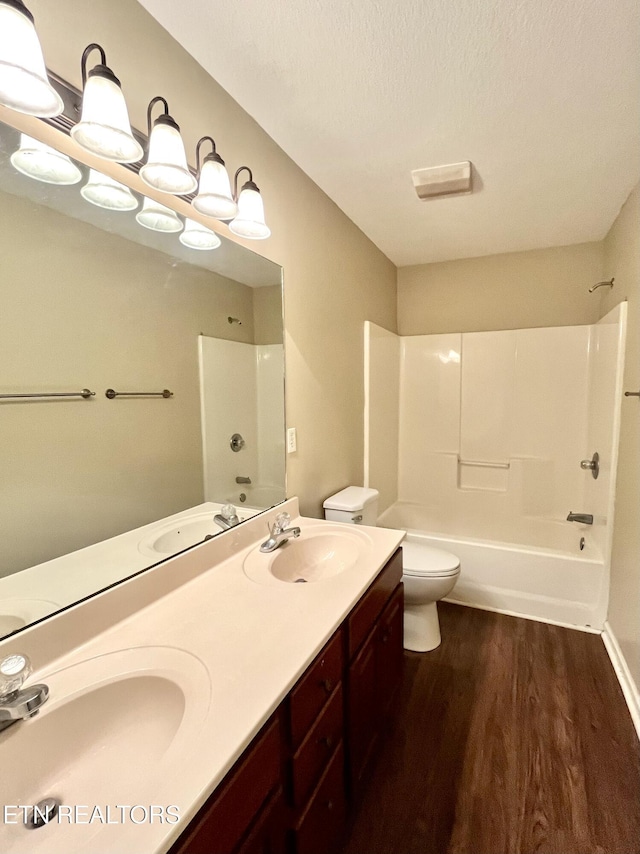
(267, 315)
(85, 308)
(622, 260)
(517, 290)
(334, 277)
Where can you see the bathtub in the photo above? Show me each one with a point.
(560, 584)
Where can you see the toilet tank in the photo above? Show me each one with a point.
(355, 504)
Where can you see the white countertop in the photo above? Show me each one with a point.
(252, 640)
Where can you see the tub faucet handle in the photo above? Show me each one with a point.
(592, 465)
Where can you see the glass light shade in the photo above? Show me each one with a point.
(107, 193)
(197, 236)
(166, 168)
(37, 160)
(104, 127)
(24, 85)
(157, 217)
(249, 221)
(214, 194)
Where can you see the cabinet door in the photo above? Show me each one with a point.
(322, 823)
(225, 819)
(362, 711)
(389, 656)
(269, 833)
(315, 751)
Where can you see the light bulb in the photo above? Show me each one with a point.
(24, 85)
(166, 168)
(249, 221)
(105, 192)
(197, 236)
(104, 128)
(37, 160)
(214, 192)
(157, 217)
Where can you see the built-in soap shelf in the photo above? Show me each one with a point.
(489, 475)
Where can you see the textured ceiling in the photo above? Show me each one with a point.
(543, 96)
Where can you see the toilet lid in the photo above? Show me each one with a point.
(419, 560)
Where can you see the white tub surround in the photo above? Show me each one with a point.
(234, 647)
(492, 429)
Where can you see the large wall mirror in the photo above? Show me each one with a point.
(98, 487)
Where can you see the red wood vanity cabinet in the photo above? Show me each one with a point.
(290, 791)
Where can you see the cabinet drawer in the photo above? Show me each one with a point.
(222, 823)
(323, 821)
(370, 606)
(317, 748)
(315, 687)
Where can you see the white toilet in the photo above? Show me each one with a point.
(428, 574)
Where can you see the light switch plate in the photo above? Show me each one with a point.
(292, 440)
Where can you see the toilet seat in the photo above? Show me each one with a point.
(433, 563)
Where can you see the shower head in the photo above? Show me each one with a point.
(608, 284)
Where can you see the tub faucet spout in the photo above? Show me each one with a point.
(584, 518)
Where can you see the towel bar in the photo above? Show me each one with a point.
(85, 393)
(111, 394)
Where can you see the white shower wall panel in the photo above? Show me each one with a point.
(270, 425)
(429, 436)
(498, 430)
(606, 350)
(486, 406)
(382, 411)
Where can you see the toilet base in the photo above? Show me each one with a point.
(421, 627)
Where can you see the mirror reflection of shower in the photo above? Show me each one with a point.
(243, 445)
(607, 284)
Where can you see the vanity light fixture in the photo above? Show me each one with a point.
(158, 217)
(104, 128)
(197, 236)
(249, 221)
(214, 190)
(24, 85)
(37, 160)
(166, 168)
(105, 192)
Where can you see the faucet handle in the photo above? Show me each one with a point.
(228, 511)
(14, 671)
(281, 522)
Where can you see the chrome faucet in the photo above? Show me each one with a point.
(227, 517)
(18, 703)
(279, 533)
(584, 518)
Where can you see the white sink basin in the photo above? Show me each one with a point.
(174, 537)
(114, 730)
(320, 553)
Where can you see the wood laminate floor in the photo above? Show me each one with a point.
(512, 737)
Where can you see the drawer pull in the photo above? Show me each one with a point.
(327, 740)
(329, 805)
(327, 684)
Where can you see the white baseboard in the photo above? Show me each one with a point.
(509, 613)
(621, 668)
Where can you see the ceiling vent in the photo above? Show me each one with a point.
(451, 180)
